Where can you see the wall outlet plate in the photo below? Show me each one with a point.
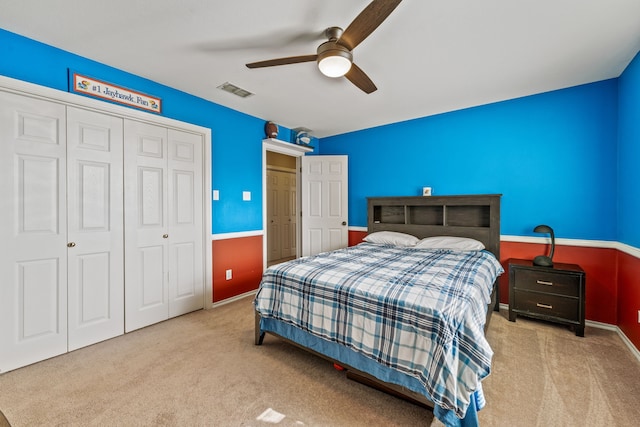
(229, 274)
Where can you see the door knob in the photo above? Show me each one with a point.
(71, 244)
(344, 222)
(165, 236)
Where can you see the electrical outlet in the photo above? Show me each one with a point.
(229, 274)
(638, 316)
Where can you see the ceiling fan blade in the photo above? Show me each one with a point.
(282, 61)
(356, 76)
(365, 23)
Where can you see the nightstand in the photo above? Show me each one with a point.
(549, 293)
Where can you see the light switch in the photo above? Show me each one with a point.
(216, 195)
(246, 196)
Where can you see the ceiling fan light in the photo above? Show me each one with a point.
(334, 66)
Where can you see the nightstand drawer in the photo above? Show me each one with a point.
(547, 305)
(548, 282)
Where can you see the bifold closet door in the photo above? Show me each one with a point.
(95, 227)
(164, 266)
(146, 227)
(33, 230)
(186, 233)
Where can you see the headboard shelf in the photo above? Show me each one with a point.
(475, 216)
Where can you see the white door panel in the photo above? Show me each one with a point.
(145, 183)
(186, 245)
(164, 223)
(324, 203)
(95, 227)
(33, 290)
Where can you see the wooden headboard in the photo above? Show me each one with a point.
(475, 216)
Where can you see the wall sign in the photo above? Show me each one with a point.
(99, 89)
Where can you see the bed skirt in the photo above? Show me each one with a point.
(353, 360)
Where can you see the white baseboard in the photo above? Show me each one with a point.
(233, 299)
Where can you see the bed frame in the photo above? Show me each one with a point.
(475, 216)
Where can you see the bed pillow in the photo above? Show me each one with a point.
(450, 242)
(391, 238)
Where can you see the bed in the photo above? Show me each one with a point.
(406, 318)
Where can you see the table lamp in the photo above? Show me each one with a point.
(542, 260)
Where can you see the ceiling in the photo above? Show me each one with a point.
(427, 57)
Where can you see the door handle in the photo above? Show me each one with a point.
(71, 244)
(165, 236)
(344, 222)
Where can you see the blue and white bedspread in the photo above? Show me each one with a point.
(418, 311)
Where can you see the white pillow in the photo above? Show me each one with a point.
(450, 242)
(392, 238)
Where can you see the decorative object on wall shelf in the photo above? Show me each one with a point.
(302, 136)
(542, 260)
(271, 129)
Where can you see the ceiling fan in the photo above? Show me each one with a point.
(334, 57)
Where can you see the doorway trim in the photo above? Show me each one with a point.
(293, 150)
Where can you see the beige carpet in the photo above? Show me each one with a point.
(203, 369)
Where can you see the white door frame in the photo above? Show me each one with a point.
(25, 88)
(292, 150)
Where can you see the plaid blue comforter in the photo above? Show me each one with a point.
(419, 311)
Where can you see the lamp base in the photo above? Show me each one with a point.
(542, 261)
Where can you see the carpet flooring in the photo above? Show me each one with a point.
(202, 369)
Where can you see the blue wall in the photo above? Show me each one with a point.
(236, 137)
(629, 155)
(552, 156)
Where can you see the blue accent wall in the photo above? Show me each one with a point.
(629, 155)
(552, 156)
(568, 158)
(236, 137)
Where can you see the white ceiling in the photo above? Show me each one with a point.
(428, 57)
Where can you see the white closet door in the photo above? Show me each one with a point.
(186, 250)
(95, 227)
(146, 225)
(33, 265)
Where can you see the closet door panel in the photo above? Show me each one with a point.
(33, 266)
(186, 246)
(95, 227)
(146, 226)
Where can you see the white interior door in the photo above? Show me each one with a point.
(146, 226)
(95, 227)
(324, 181)
(186, 250)
(33, 231)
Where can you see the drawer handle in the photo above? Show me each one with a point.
(544, 282)
(548, 306)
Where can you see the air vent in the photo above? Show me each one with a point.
(231, 88)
